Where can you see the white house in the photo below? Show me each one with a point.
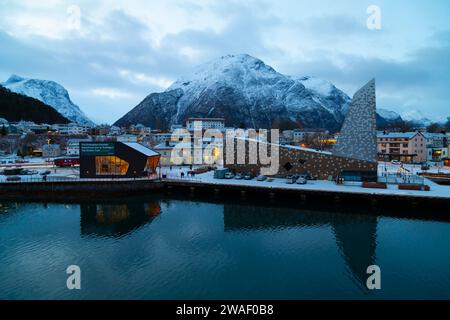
(73, 146)
(205, 124)
(71, 129)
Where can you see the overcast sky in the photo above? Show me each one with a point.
(118, 52)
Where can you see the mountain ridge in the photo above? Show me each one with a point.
(50, 93)
(15, 107)
(245, 91)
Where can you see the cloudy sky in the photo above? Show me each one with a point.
(118, 52)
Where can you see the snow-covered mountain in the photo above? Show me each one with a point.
(389, 115)
(50, 93)
(245, 91)
(417, 117)
(15, 107)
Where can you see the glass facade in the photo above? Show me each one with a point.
(359, 176)
(110, 166)
(151, 164)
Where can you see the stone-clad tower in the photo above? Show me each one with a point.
(358, 138)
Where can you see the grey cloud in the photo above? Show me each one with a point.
(83, 63)
(423, 76)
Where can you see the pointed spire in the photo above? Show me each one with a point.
(358, 138)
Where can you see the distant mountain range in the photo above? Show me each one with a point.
(245, 91)
(16, 107)
(240, 88)
(50, 93)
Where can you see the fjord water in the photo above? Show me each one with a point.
(165, 248)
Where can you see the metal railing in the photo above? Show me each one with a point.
(393, 178)
(76, 179)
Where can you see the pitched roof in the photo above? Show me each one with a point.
(142, 149)
(397, 135)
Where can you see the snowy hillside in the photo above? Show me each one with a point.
(49, 92)
(388, 115)
(243, 90)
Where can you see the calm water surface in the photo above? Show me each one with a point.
(163, 248)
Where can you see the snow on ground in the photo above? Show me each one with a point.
(174, 174)
(55, 174)
(437, 191)
(411, 168)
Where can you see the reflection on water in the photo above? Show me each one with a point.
(117, 220)
(355, 235)
(163, 248)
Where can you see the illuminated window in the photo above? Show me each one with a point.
(110, 166)
(151, 164)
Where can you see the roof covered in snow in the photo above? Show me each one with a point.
(142, 149)
(397, 135)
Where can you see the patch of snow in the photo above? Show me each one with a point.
(316, 85)
(50, 93)
(387, 114)
(437, 191)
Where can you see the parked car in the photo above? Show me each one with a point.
(261, 178)
(67, 162)
(239, 176)
(425, 167)
(45, 172)
(302, 181)
(291, 180)
(248, 176)
(13, 178)
(27, 172)
(229, 175)
(396, 162)
(306, 176)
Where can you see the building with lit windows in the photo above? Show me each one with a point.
(117, 160)
(407, 147)
(437, 146)
(353, 157)
(209, 151)
(193, 124)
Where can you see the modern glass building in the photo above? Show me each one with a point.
(117, 160)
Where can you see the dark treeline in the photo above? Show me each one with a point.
(16, 107)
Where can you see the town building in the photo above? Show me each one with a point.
(115, 131)
(100, 130)
(73, 146)
(176, 127)
(117, 160)
(127, 138)
(155, 139)
(29, 126)
(301, 135)
(287, 137)
(51, 150)
(353, 157)
(209, 151)
(193, 124)
(138, 129)
(406, 147)
(70, 129)
(437, 146)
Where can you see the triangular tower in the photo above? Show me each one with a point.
(358, 138)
